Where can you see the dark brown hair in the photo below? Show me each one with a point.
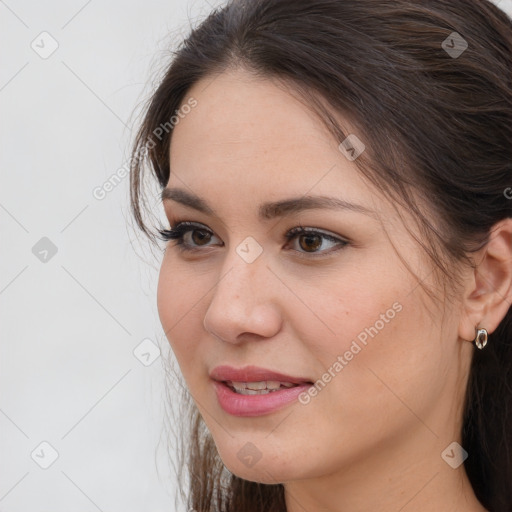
(434, 121)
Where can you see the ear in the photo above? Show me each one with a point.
(488, 294)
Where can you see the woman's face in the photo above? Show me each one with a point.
(337, 306)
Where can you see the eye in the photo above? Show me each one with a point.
(311, 240)
(199, 235)
(191, 236)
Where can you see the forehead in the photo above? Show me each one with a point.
(256, 129)
(237, 109)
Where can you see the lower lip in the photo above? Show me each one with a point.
(256, 405)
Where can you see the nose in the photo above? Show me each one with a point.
(245, 302)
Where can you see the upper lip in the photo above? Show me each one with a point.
(252, 374)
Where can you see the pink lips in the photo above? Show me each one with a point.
(254, 405)
(252, 374)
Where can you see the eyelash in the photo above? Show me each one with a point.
(178, 232)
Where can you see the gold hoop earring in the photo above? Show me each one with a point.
(481, 338)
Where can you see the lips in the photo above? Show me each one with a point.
(226, 373)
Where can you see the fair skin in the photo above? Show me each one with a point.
(372, 438)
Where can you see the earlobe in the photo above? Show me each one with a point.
(471, 314)
(489, 291)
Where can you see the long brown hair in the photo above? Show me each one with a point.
(429, 84)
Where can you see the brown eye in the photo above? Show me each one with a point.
(310, 242)
(200, 236)
(188, 235)
(313, 242)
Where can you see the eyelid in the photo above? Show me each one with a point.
(306, 229)
(297, 229)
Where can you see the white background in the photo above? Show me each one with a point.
(69, 325)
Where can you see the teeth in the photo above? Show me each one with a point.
(255, 392)
(258, 388)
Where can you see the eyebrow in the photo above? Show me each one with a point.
(270, 210)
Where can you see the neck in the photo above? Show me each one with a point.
(406, 476)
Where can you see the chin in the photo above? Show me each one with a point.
(261, 473)
(249, 463)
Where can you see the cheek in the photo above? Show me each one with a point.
(353, 304)
(375, 335)
(398, 369)
(179, 302)
(373, 301)
(166, 297)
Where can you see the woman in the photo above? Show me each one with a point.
(337, 276)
